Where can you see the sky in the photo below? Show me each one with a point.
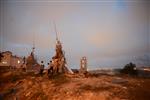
(110, 33)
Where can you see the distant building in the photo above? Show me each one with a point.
(83, 65)
(143, 71)
(10, 61)
(16, 62)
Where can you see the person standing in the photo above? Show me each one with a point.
(42, 68)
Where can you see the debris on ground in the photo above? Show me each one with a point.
(28, 86)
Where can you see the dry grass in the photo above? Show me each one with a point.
(30, 87)
(59, 79)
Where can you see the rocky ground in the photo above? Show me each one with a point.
(28, 86)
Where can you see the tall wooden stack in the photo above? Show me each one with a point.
(31, 62)
(58, 60)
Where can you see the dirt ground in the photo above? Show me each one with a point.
(28, 86)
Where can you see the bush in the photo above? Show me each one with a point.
(129, 69)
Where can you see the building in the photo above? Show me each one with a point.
(10, 61)
(83, 65)
(143, 71)
(16, 62)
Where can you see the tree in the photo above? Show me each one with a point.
(129, 69)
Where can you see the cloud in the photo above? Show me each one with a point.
(107, 37)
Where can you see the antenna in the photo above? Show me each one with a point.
(33, 43)
(1, 44)
(56, 31)
(2, 40)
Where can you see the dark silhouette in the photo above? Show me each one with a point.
(129, 69)
(50, 70)
(42, 68)
(1, 56)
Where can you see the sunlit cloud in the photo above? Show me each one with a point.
(109, 33)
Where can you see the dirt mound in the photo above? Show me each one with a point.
(28, 86)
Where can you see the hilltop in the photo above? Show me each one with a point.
(29, 86)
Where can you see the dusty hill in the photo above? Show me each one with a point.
(28, 86)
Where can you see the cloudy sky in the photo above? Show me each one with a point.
(110, 33)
